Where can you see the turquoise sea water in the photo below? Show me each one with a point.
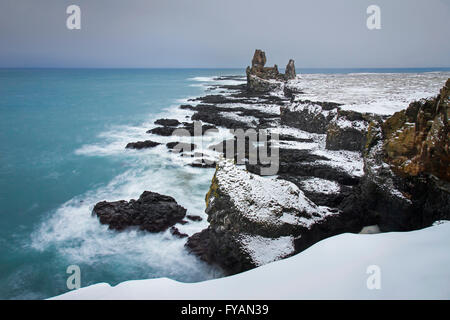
(62, 134)
(45, 117)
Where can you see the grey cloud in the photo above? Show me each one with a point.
(213, 33)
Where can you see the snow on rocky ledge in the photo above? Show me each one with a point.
(272, 201)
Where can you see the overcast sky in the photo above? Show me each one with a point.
(224, 33)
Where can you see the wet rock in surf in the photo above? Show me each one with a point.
(168, 122)
(188, 129)
(152, 212)
(194, 218)
(142, 144)
(174, 231)
(181, 146)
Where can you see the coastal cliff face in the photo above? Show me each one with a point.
(255, 220)
(338, 170)
(417, 139)
(406, 185)
(351, 170)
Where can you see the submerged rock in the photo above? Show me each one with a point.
(152, 212)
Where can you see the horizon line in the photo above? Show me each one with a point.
(215, 68)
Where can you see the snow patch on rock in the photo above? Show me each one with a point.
(266, 250)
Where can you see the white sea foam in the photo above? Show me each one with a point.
(81, 239)
(202, 79)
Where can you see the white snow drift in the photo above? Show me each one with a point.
(412, 265)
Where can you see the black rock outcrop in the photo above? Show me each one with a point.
(142, 144)
(152, 212)
(263, 79)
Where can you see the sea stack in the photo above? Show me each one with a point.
(290, 70)
(264, 79)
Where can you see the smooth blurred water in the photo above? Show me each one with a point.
(48, 184)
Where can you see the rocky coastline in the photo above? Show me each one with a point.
(339, 171)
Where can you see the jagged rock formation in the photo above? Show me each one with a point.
(417, 139)
(186, 129)
(345, 130)
(290, 70)
(246, 211)
(338, 170)
(406, 184)
(152, 212)
(309, 116)
(401, 186)
(263, 79)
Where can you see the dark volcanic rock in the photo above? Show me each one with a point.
(152, 212)
(142, 144)
(287, 137)
(220, 249)
(201, 163)
(290, 70)
(332, 200)
(215, 115)
(194, 218)
(348, 130)
(174, 231)
(232, 220)
(215, 99)
(309, 116)
(187, 107)
(188, 129)
(417, 139)
(201, 128)
(181, 146)
(168, 122)
(302, 163)
(264, 79)
(290, 92)
(162, 131)
(399, 191)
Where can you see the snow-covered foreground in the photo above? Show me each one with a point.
(413, 265)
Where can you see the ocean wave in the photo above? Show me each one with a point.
(79, 237)
(202, 79)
